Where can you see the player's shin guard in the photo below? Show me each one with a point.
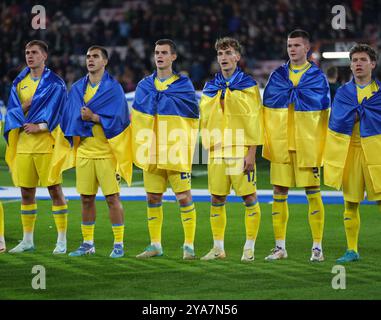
(118, 231)
(188, 218)
(316, 215)
(280, 216)
(28, 219)
(155, 221)
(88, 232)
(252, 220)
(1, 222)
(60, 219)
(352, 224)
(218, 220)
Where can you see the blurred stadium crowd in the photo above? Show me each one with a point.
(130, 28)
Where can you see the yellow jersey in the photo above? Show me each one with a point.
(97, 146)
(295, 74)
(162, 85)
(41, 142)
(362, 93)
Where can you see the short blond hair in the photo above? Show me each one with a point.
(41, 44)
(226, 42)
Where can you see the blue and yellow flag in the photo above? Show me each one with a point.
(46, 106)
(311, 98)
(110, 104)
(165, 125)
(231, 114)
(345, 107)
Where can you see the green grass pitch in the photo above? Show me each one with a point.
(169, 277)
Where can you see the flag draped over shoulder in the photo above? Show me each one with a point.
(46, 106)
(165, 124)
(311, 99)
(345, 107)
(239, 122)
(110, 105)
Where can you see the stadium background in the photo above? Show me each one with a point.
(129, 29)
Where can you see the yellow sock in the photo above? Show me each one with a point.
(118, 231)
(1, 220)
(218, 220)
(155, 221)
(60, 217)
(252, 220)
(88, 231)
(280, 216)
(28, 217)
(352, 224)
(188, 218)
(315, 214)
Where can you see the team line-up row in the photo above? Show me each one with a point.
(49, 130)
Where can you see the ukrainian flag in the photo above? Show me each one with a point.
(240, 121)
(311, 99)
(110, 104)
(165, 125)
(47, 106)
(342, 120)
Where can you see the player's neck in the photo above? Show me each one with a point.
(362, 81)
(299, 63)
(164, 73)
(228, 73)
(96, 77)
(37, 72)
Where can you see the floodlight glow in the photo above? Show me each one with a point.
(336, 55)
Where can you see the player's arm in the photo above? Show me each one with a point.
(250, 159)
(88, 115)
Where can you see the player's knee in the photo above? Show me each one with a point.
(56, 194)
(218, 199)
(184, 198)
(280, 190)
(250, 198)
(28, 195)
(154, 198)
(87, 200)
(113, 201)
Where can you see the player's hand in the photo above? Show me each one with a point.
(31, 128)
(86, 114)
(249, 160)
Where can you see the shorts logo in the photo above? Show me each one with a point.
(185, 175)
(315, 171)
